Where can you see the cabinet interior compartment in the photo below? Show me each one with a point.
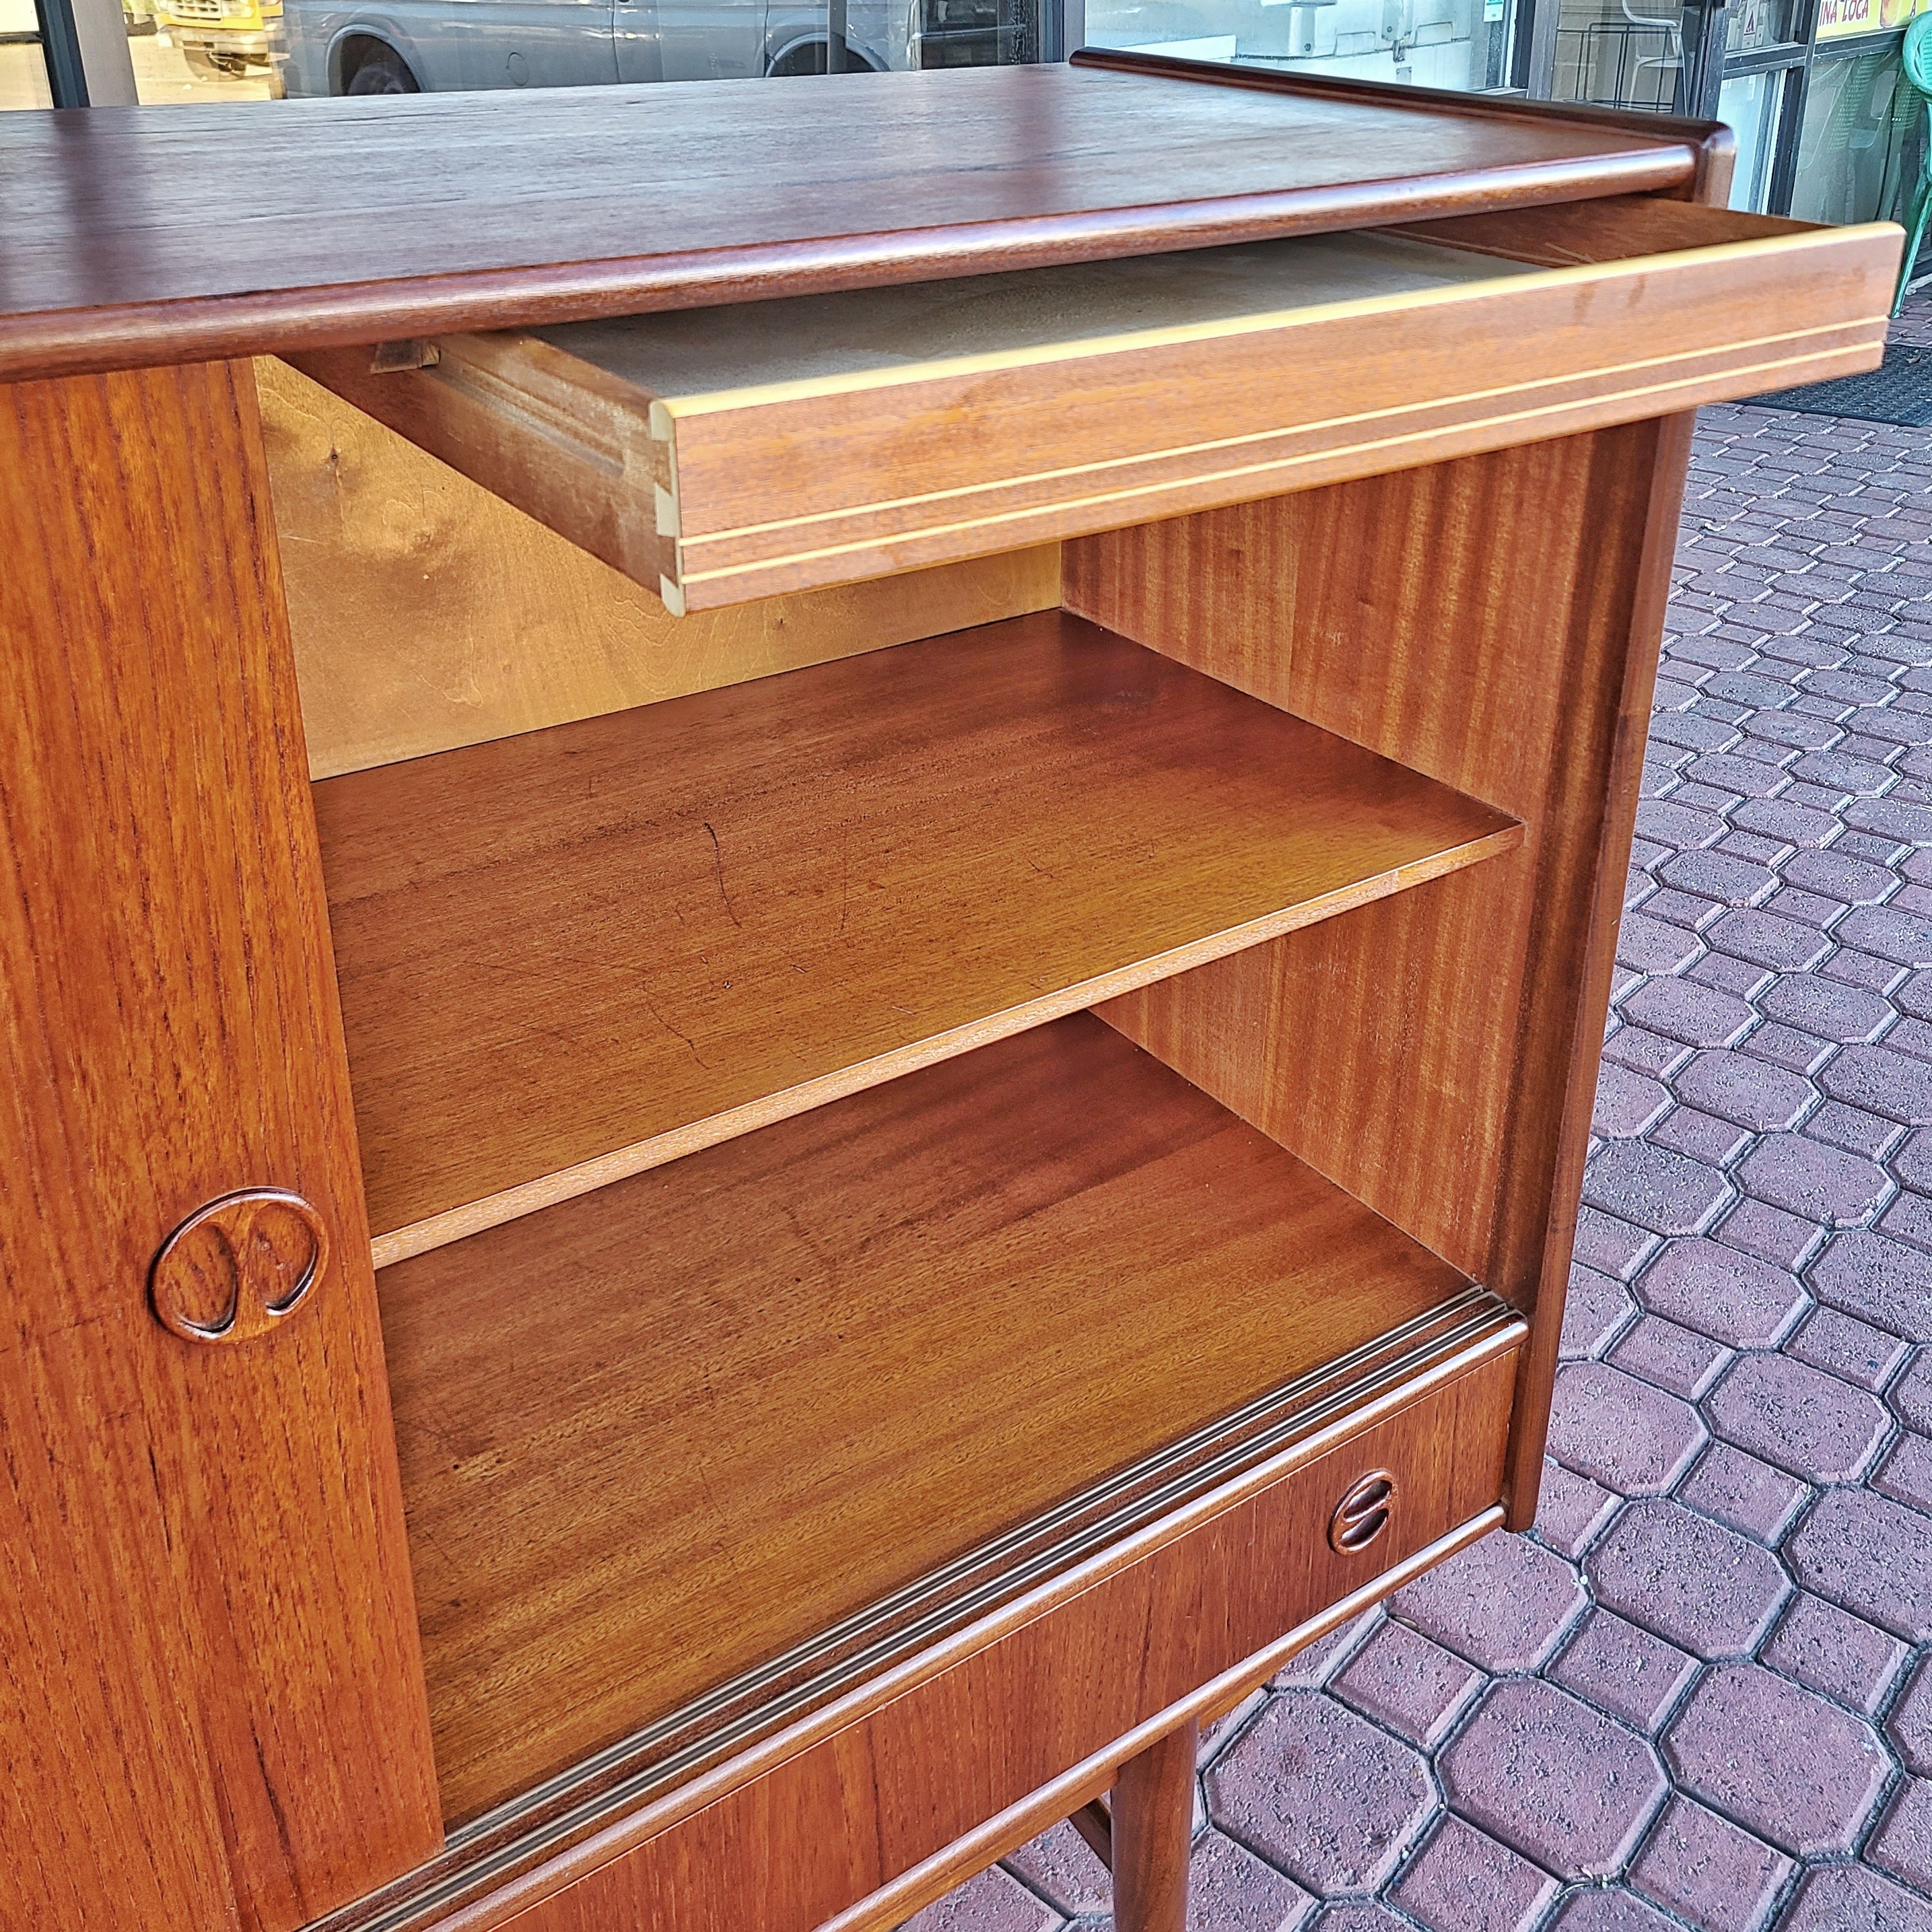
(673, 1451)
(576, 953)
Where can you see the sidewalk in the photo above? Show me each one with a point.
(1701, 1694)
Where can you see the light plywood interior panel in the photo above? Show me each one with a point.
(757, 1389)
(696, 360)
(573, 954)
(428, 612)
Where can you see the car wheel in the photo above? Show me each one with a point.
(383, 72)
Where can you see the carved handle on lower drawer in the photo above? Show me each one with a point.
(238, 1266)
(1363, 1513)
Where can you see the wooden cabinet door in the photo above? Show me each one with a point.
(211, 1710)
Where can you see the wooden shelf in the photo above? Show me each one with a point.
(662, 1433)
(572, 955)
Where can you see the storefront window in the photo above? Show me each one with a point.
(1748, 103)
(23, 65)
(251, 49)
(1463, 44)
(1617, 53)
(1859, 135)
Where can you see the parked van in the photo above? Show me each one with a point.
(407, 46)
(220, 39)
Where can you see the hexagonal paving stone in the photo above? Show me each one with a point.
(1827, 1008)
(1321, 1794)
(1462, 1881)
(1063, 1868)
(1361, 1919)
(1777, 1759)
(1553, 1779)
(1620, 1432)
(1798, 1417)
(1752, 1092)
(992, 1902)
(1765, 939)
(1902, 1843)
(1808, 1177)
(1880, 1281)
(1618, 1911)
(1708, 1871)
(1907, 1473)
(1596, 1309)
(1911, 1396)
(1881, 1082)
(1847, 1898)
(1687, 1580)
(1748, 1495)
(1910, 1724)
(1891, 932)
(1415, 1687)
(1627, 1102)
(1841, 1656)
(1624, 1670)
(1735, 1298)
(1871, 1556)
(1657, 1189)
(1230, 1890)
(1504, 1603)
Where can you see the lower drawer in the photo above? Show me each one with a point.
(987, 1735)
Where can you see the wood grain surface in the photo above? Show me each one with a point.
(761, 1388)
(211, 1709)
(1426, 1052)
(572, 955)
(425, 214)
(759, 456)
(428, 613)
(859, 1816)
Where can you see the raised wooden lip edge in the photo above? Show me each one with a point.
(662, 413)
(581, 1177)
(524, 1862)
(1473, 105)
(38, 344)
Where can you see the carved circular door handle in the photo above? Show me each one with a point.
(1363, 1513)
(237, 1266)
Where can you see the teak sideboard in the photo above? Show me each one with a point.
(806, 894)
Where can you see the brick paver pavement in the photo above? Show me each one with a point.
(1700, 1696)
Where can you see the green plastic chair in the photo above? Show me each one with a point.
(1915, 63)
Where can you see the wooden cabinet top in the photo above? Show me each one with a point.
(371, 219)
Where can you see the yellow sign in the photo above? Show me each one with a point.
(1837, 19)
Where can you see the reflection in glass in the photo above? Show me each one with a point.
(23, 66)
(1453, 43)
(1859, 138)
(255, 49)
(1619, 53)
(1749, 104)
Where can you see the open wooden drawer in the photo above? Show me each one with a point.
(725, 454)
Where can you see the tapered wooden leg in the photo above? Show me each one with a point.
(1152, 1824)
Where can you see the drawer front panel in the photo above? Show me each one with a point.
(788, 1848)
(1615, 312)
(782, 493)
